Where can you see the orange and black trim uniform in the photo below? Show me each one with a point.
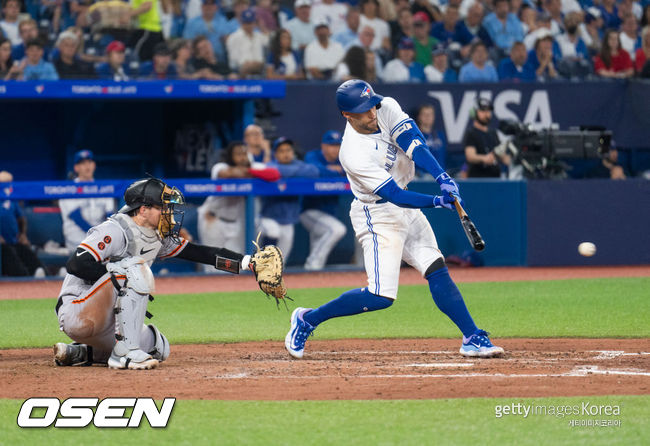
(86, 263)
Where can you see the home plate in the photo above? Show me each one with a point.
(442, 364)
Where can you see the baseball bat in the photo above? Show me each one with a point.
(469, 227)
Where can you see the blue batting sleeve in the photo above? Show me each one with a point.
(412, 142)
(76, 217)
(423, 158)
(404, 198)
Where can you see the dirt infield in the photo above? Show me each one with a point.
(349, 369)
(346, 369)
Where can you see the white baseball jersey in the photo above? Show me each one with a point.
(387, 233)
(93, 210)
(370, 161)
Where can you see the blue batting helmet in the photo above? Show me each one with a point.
(356, 96)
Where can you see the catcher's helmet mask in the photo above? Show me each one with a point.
(154, 192)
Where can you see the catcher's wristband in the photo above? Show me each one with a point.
(228, 265)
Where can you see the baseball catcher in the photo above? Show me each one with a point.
(103, 301)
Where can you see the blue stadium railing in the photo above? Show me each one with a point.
(191, 188)
(534, 223)
(155, 89)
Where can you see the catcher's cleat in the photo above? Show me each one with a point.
(479, 345)
(298, 334)
(133, 360)
(72, 354)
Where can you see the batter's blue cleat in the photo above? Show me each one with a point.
(479, 345)
(298, 334)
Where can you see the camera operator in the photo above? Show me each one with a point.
(480, 141)
(608, 167)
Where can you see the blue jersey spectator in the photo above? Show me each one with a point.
(503, 26)
(351, 31)
(36, 68)
(438, 70)
(472, 27)
(115, 69)
(404, 68)
(478, 69)
(18, 259)
(609, 14)
(542, 60)
(28, 31)
(319, 212)
(327, 160)
(211, 24)
(425, 117)
(450, 29)
(280, 213)
(161, 67)
(283, 62)
(516, 67)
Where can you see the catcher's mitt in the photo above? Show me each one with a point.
(267, 265)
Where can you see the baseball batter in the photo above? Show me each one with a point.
(103, 300)
(381, 146)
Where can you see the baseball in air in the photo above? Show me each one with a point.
(587, 249)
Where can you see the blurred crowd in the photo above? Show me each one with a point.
(376, 40)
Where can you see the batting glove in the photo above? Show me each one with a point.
(447, 184)
(443, 201)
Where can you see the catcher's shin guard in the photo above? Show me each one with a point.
(130, 310)
(160, 348)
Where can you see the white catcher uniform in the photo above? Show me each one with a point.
(86, 313)
(387, 233)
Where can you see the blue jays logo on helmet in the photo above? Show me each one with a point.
(356, 96)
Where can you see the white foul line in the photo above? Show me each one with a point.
(440, 364)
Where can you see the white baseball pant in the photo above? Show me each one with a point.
(389, 234)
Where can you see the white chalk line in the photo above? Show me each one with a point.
(440, 364)
(611, 354)
(602, 354)
(577, 372)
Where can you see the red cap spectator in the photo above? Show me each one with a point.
(115, 45)
(421, 16)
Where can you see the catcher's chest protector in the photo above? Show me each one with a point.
(140, 241)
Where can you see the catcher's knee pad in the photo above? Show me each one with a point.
(435, 266)
(160, 349)
(140, 278)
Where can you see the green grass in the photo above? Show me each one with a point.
(413, 422)
(561, 308)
